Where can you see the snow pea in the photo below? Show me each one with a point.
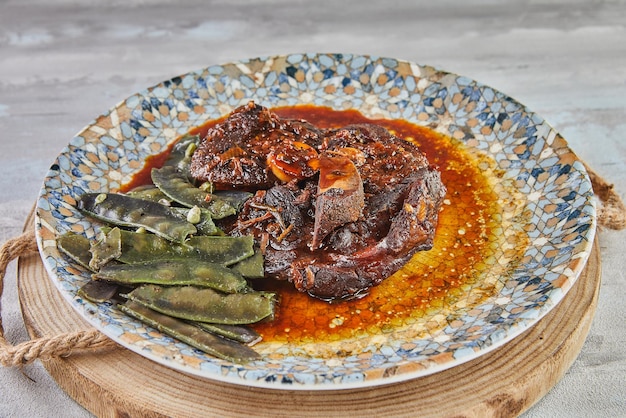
(141, 247)
(205, 224)
(181, 153)
(151, 193)
(98, 291)
(76, 247)
(205, 304)
(107, 247)
(175, 185)
(123, 210)
(240, 333)
(181, 272)
(251, 267)
(235, 198)
(211, 344)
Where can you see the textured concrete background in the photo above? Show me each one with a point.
(63, 63)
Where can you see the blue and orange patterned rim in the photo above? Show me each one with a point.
(545, 192)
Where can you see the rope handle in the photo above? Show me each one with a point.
(611, 214)
(43, 348)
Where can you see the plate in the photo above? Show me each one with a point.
(540, 236)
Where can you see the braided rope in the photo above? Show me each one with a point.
(43, 348)
(611, 214)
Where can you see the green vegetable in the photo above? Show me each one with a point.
(181, 272)
(76, 247)
(204, 226)
(211, 344)
(123, 210)
(175, 185)
(206, 305)
(151, 193)
(98, 292)
(225, 250)
(240, 333)
(108, 247)
(251, 267)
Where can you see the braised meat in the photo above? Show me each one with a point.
(335, 212)
(249, 149)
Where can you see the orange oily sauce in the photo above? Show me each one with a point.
(432, 280)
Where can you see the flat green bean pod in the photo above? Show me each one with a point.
(225, 250)
(205, 224)
(251, 267)
(98, 292)
(240, 333)
(175, 185)
(76, 247)
(235, 198)
(182, 151)
(151, 193)
(181, 272)
(206, 305)
(107, 247)
(211, 344)
(174, 180)
(123, 210)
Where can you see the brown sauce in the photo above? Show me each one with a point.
(430, 281)
(143, 176)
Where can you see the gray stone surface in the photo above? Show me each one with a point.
(63, 63)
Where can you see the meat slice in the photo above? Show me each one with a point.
(336, 211)
(362, 254)
(340, 197)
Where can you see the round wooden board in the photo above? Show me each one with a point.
(505, 382)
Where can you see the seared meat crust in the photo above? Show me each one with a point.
(234, 153)
(336, 211)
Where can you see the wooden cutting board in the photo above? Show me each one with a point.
(505, 382)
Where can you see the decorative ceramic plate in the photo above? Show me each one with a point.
(529, 244)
